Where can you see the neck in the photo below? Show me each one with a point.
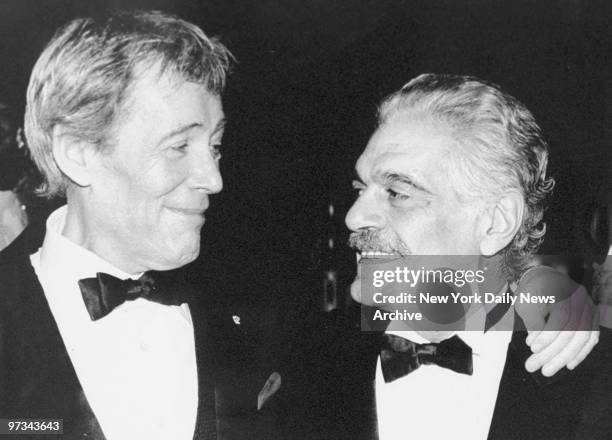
(474, 316)
(436, 337)
(81, 228)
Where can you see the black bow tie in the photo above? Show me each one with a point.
(105, 292)
(399, 356)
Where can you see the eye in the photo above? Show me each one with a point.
(358, 187)
(216, 151)
(181, 148)
(394, 195)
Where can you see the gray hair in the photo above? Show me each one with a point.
(82, 79)
(501, 149)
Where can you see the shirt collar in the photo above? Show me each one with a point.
(474, 338)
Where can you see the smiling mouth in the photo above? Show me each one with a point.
(189, 211)
(360, 255)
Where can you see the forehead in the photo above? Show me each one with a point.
(161, 102)
(407, 144)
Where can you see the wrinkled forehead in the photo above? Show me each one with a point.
(152, 73)
(159, 108)
(151, 82)
(406, 142)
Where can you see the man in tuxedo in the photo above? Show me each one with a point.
(124, 118)
(455, 167)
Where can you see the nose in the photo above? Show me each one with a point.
(366, 213)
(205, 174)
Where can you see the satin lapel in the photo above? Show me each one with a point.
(372, 422)
(206, 422)
(43, 379)
(372, 345)
(518, 396)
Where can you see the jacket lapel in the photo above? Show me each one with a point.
(206, 422)
(41, 379)
(530, 405)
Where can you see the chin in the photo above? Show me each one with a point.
(188, 257)
(173, 258)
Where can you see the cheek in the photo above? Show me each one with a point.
(158, 179)
(178, 243)
(415, 227)
(443, 228)
(457, 234)
(427, 232)
(178, 231)
(148, 200)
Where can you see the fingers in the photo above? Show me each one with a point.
(567, 347)
(534, 321)
(592, 341)
(570, 315)
(554, 351)
(559, 318)
(571, 342)
(568, 352)
(532, 336)
(552, 347)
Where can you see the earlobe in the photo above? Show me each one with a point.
(503, 223)
(73, 157)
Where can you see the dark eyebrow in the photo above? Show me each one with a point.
(221, 124)
(220, 127)
(389, 178)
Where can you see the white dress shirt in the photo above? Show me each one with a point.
(436, 403)
(137, 365)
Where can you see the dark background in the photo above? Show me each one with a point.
(301, 104)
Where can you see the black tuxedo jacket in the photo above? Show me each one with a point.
(37, 379)
(328, 391)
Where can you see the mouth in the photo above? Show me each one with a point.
(189, 211)
(193, 216)
(361, 255)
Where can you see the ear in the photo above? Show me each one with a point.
(502, 222)
(74, 157)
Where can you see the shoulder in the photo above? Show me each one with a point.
(15, 273)
(19, 288)
(596, 420)
(25, 244)
(570, 404)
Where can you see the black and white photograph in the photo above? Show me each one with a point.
(306, 219)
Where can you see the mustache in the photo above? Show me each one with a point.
(374, 240)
